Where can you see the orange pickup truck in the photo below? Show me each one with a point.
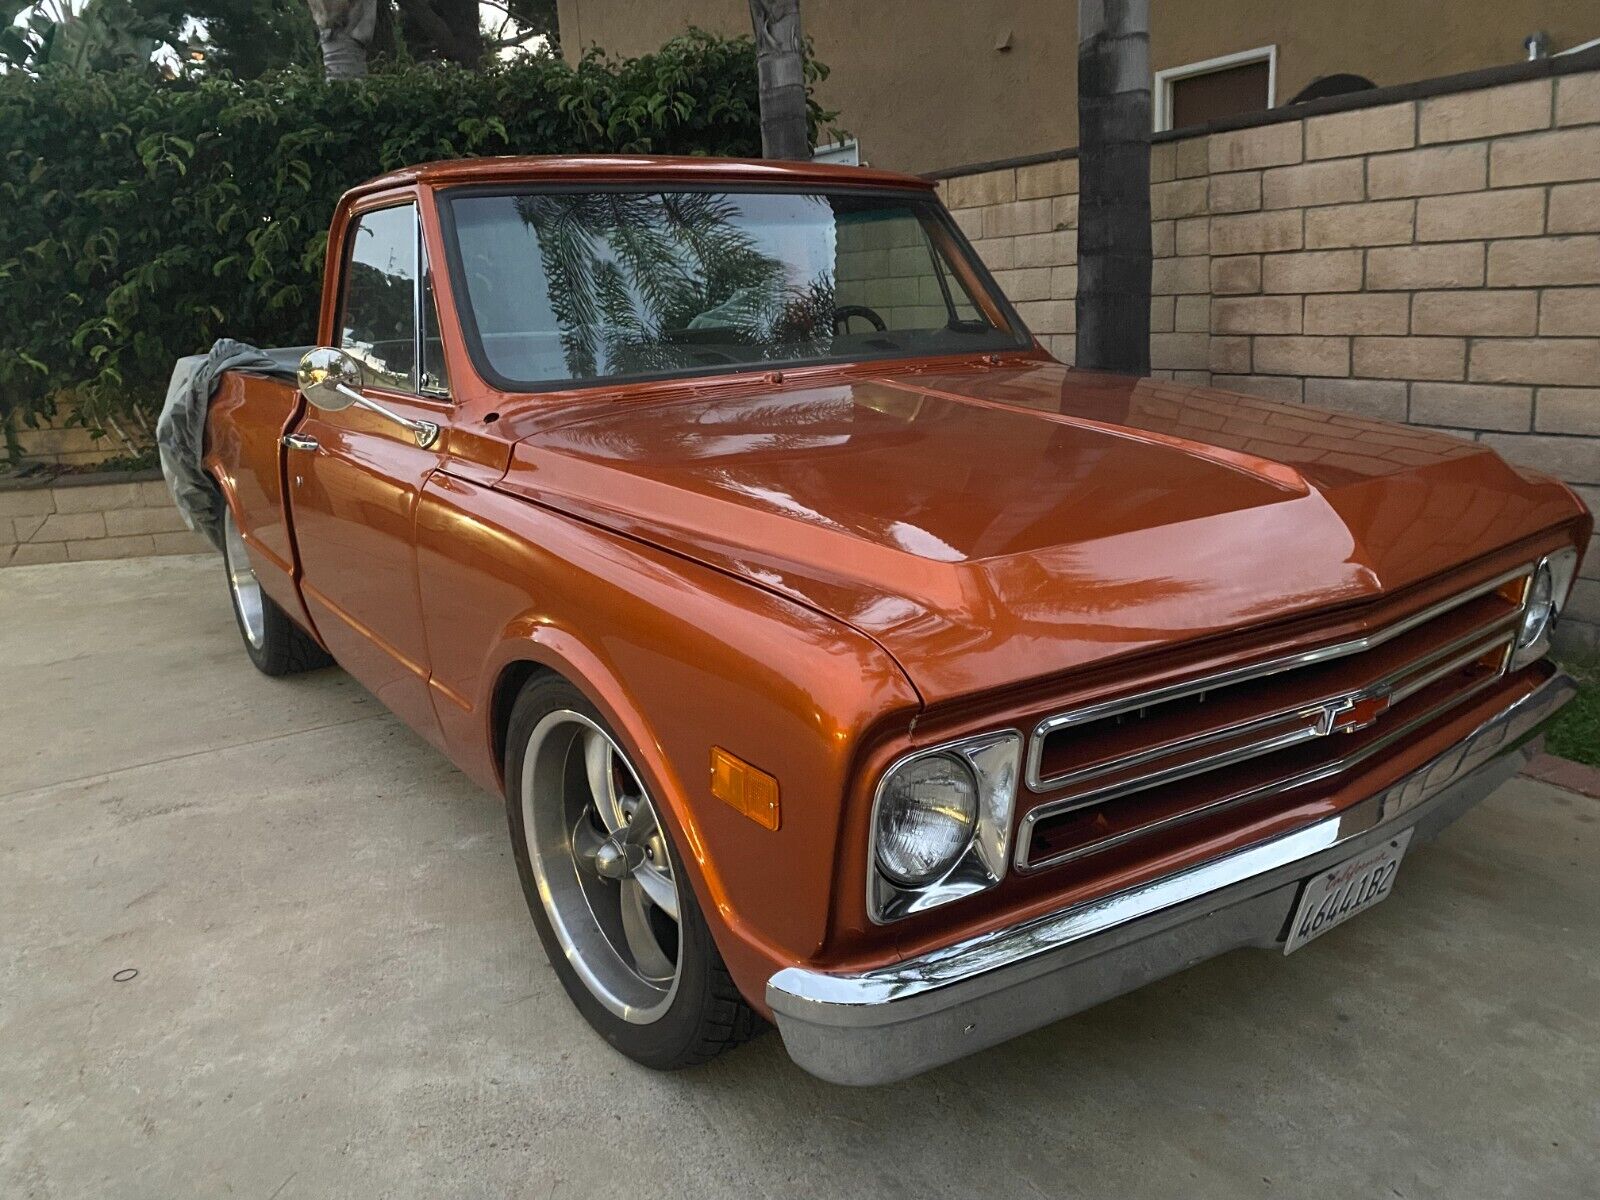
(846, 661)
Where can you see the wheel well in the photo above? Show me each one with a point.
(513, 678)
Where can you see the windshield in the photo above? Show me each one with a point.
(573, 286)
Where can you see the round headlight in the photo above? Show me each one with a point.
(1540, 609)
(926, 813)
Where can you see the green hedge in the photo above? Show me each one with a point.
(143, 219)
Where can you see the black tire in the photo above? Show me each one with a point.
(706, 1014)
(283, 648)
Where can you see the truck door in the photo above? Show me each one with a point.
(355, 476)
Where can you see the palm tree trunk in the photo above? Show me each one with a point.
(344, 31)
(443, 29)
(782, 78)
(1114, 185)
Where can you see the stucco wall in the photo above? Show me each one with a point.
(926, 84)
(1434, 261)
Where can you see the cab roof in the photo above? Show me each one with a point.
(631, 168)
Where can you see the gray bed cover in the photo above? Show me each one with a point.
(181, 428)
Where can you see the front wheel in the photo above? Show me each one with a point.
(618, 919)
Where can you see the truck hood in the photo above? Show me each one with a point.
(991, 525)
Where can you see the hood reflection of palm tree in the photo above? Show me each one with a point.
(655, 282)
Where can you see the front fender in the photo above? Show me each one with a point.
(680, 658)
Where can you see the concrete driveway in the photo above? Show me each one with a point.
(339, 992)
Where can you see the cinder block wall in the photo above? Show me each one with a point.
(67, 445)
(72, 522)
(1433, 260)
(885, 265)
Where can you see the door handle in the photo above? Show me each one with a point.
(300, 441)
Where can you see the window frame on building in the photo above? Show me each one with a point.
(1161, 89)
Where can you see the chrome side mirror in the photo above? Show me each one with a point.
(329, 378)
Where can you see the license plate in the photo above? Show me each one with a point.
(1336, 895)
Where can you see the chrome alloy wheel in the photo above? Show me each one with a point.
(243, 583)
(603, 869)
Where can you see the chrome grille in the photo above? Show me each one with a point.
(1230, 738)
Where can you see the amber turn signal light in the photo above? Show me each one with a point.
(744, 788)
(1512, 591)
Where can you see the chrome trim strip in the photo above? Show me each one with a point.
(1495, 641)
(1304, 712)
(419, 253)
(1327, 711)
(968, 970)
(1322, 727)
(1110, 708)
(1222, 803)
(1482, 639)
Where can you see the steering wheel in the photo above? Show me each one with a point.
(842, 315)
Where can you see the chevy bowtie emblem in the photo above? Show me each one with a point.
(1351, 715)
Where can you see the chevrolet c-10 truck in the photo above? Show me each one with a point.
(846, 661)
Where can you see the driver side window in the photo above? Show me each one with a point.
(435, 376)
(378, 315)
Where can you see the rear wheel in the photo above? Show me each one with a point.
(618, 919)
(274, 643)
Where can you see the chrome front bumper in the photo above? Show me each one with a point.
(896, 1021)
